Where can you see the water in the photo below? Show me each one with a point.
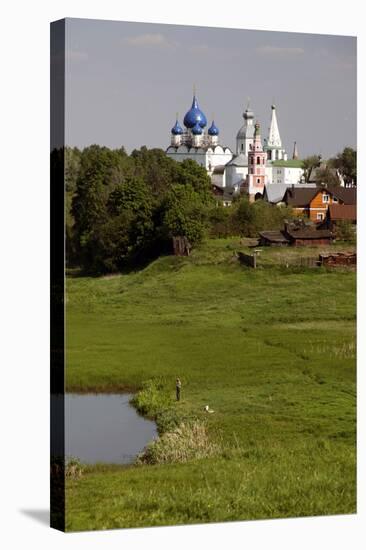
(105, 428)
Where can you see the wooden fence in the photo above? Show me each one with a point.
(248, 259)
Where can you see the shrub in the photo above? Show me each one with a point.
(152, 398)
(188, 441)
(345, 231)
(74, 468)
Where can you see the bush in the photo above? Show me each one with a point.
(188, 441)
(247, 219)
(220, 222)
(152, 398)
(345, 231)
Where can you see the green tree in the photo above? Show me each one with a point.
(192, 174)
(346, 162)
(185, 214)
(327, 176)
(220, 221)
(345, 231)
(248, 219)
(156, 169)
(313, 161)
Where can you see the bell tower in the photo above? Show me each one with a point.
(256, 178)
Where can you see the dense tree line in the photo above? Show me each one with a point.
(123, 210)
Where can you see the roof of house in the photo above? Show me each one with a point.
(348, 195)
(302, 196)
(238, 160)
(219, 169)
(295, 196)
(274, 192)
(342, 212)
(309, 233)
(291, 163)
(274, 236)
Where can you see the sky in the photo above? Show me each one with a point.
(125, 82)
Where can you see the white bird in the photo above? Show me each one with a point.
(207, 409)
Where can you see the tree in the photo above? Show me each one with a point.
(192, 174)
(248, 219)
(309, 163)
(185, 214)
(327, 176)
(346, 162)
(72, 166)
(345, 231)
(220, 221)
(156, 169)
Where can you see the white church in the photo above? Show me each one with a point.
(234, 173)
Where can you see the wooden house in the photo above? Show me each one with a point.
(340, 213)
(297, 234)
(314, 203)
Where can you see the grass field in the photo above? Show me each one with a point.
(271, 351)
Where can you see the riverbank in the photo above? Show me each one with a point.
(271, 351)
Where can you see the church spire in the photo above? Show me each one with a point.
(295, 154)
(274, 138)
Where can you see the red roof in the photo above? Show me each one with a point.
(343, 212)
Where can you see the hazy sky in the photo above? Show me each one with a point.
(126, 81)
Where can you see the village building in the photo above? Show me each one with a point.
(274, 194)
(314, 202)
(296, 234)
(339, 213)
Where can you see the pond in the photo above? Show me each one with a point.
(105, 428)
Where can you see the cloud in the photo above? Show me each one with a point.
(143, 40)
(279, 51)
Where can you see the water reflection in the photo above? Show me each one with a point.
(104, 428)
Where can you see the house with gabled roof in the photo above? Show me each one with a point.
(314, 203)
(339, 213)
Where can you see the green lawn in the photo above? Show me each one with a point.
(271, 350)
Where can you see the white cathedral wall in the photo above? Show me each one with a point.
(183, 154)
(293, 175)
(234, 174)
(217, 157)
(284, 174)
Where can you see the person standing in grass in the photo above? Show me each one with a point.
(178, 385)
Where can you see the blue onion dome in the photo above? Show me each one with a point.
(194, 116)
(177, 129)
(213, 129)
(197, 130)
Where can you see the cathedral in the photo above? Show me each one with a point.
(254, 165)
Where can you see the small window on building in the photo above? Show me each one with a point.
(258, 160)
(242, 147)
(326, 198)
(258, 180)
(320, 216)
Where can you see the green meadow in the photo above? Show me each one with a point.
(271, 351)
